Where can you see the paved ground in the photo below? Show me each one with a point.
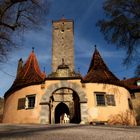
(68, 132)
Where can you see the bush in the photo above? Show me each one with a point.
(124, 118)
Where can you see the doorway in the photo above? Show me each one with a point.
(60, 109)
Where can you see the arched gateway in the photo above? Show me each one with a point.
(63, 95)
(60, 110)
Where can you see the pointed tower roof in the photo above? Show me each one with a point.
(30, 74)
(98, 71)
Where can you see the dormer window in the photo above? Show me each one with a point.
(138, 83)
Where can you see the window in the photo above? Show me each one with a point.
(110, 100)
(26, 103)
(21, 103)
(138, 83)
(103, 99)
(30, 101)
(100, 98)
(130, 104)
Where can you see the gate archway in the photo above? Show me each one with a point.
(67, 101)
(45, 113)
(60, 109)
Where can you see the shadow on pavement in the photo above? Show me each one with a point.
(21, 130)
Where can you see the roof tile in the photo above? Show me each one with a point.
(98, 71)
(29, 74)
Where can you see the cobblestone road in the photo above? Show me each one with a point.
(67, 132)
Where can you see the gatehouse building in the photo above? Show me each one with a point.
(35, 97)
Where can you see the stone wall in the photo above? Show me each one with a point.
(136, 106)
(89, 110)
(62, 44)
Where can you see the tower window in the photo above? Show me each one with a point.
(100, 99)
(103, 99)
(30, 101)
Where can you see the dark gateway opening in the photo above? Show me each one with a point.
(60, 110)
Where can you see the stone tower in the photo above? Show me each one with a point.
(62, 43)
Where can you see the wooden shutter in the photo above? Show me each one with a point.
(21, 103)
(110, 100)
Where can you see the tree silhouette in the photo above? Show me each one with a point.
(16, 16)
(122, 27)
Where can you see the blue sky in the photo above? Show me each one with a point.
(85, 14)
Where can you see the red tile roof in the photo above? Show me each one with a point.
(31, 69)
(29, 74)
(98, 72)
(132, 84)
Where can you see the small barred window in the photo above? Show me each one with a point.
(100, 99)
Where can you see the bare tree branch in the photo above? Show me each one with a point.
(122, 26)
(17, 15)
